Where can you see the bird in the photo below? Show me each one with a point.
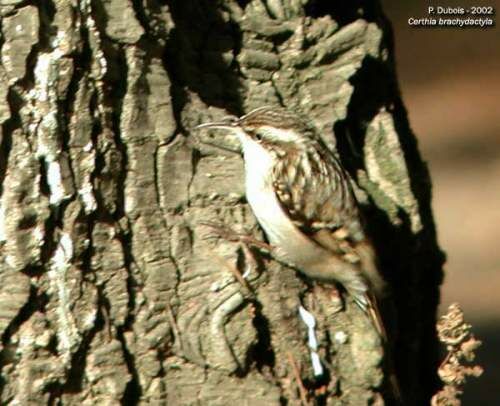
(303, 199)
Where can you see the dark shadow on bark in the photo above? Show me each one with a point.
(195, 58)
(262, 353)
(411, 263)
(8, 128)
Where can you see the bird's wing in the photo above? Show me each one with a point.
(316, 194)
(318, 197)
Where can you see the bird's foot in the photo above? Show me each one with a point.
(245, 243)
(225, 232)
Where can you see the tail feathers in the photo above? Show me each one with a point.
(373, 311)
(368, 303)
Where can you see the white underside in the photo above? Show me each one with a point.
(260, 192)
(290, 244)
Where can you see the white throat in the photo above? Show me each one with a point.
(260, 193)
(289, 243)
(286, 238)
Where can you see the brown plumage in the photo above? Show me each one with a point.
(303, 199)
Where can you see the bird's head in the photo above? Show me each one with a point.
(271, 127)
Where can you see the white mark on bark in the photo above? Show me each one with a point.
(54, 181)
(86, 189)
(88, 147)
(59, 264)
(43, 77)
(248, 271)
(316, 364)
(310, 322)
(88, 200)
(89, 320)
(39, 234)
(45, 125)
(86, 8)
(340, 337)
(58, 40)
(47, 153)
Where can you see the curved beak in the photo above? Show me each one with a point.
(218, 125)
(227, 123)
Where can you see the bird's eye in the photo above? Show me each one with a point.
(258, 136)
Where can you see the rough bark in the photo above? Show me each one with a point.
(111, 287)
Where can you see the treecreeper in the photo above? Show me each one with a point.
(303, 199)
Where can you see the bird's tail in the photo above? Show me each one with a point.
(373, 310)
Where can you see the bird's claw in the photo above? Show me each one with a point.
(224, 232)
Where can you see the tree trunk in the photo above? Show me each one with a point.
(113, 289)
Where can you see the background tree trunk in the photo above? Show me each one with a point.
(111, 287)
